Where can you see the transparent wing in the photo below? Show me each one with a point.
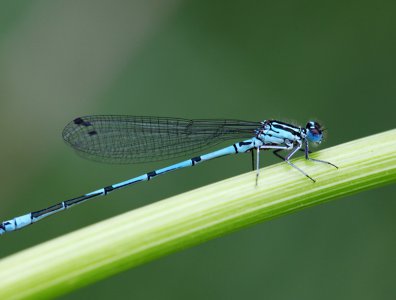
(132, 139)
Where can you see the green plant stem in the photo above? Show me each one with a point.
(142, 235)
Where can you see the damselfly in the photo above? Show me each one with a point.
(131, 139)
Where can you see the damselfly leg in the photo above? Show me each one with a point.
(306, 151)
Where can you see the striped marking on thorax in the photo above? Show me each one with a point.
(294, 130)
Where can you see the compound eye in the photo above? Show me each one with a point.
(313, 124)
(314, 132)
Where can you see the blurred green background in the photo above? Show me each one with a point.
(292, 60)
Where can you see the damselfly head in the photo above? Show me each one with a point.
(314, 132)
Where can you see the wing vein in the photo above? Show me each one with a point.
(134, 139)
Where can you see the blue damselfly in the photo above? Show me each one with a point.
(131, 139)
